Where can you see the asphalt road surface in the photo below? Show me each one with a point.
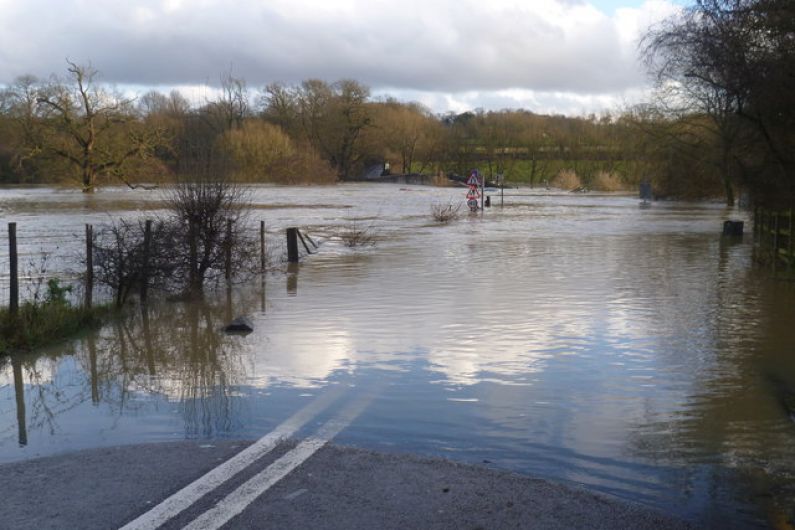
(332, 488)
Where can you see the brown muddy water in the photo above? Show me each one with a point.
(579, 338)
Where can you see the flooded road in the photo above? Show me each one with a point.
(575, 337)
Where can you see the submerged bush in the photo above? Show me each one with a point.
(445, 213)
(356, 235)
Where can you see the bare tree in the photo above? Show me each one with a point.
(231, 108)
(733, 61)
(91, 128)
(124, 260)
(208, 211)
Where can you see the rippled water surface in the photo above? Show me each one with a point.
(575, 337)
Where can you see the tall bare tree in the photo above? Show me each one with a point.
(95, 131)
(734, 61)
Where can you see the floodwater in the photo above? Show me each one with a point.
(579, 338)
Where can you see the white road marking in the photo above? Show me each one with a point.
(237, 501)
(194, 491)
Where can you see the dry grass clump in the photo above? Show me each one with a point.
(566, 179)
(445, 213)
(607, 181)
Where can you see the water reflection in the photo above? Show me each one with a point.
(577, 338)
(164, 353)
(292, 279)
(735, 424)
(19, 394)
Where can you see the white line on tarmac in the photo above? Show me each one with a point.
(194, 491)
(237, 501)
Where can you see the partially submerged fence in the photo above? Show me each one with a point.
(29, 259)
(773, 238)
(32, 261)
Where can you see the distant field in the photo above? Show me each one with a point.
(521, 171)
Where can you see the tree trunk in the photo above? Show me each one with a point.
(88, 179)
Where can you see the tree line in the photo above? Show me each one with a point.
(722, 120)
(74, 129)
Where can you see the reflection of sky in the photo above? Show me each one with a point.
(299, 355)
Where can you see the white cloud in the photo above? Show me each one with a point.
(451, 48)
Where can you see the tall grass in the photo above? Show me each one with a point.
(566, 179)
(608, 181)
(41, 322)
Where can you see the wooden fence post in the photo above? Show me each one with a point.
(145, 265)
(262, 263)
(13, 304)
(89, 265)
(292, 245)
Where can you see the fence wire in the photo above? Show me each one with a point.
(59, 253)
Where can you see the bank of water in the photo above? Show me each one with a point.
(580, 338)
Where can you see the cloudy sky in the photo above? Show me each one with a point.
(570, 56)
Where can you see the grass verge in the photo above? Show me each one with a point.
(37, 325)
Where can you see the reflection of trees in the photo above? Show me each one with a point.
(175, 350)
(37, 401)
(730, 431)
(206, 378)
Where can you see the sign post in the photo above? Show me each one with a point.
(482, 180)
(472, 195)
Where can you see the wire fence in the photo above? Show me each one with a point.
(774, 241)
(59, 254)
(43, 255)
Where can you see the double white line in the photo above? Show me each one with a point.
(239, 499)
